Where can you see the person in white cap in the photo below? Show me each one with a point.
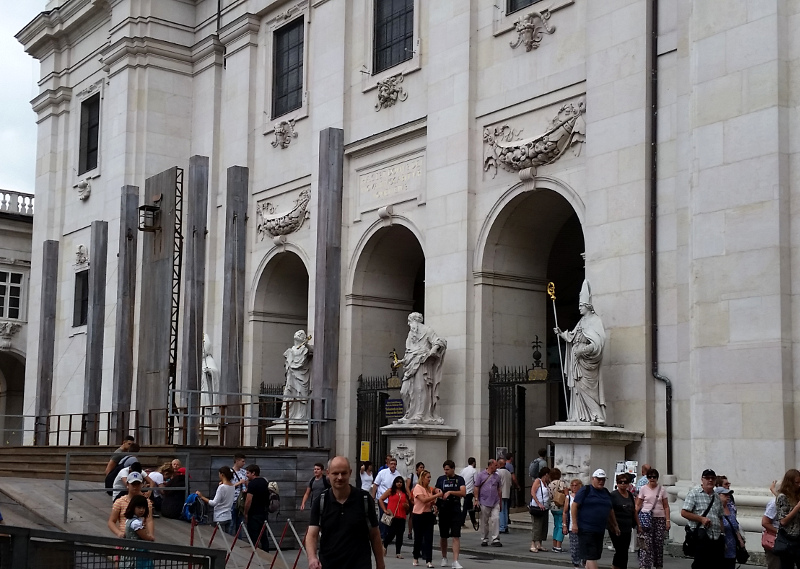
(116, 521)
(591, 513)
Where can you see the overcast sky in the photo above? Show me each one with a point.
(17, 121)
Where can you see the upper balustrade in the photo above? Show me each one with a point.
(18, 203)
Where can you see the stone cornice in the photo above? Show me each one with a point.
(242, 31)
(56, 101)
(146, 52)
(47, 29)
(206, 53)
(508, 280)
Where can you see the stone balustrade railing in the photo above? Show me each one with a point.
(18, 203)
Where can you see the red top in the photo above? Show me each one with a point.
(396, 504)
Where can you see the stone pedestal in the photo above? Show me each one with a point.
(581, 448)
(295, 436)
(412, 443)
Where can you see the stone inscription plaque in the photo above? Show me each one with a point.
(396, 182)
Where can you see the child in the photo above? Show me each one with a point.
(223, 499)
(135, 528)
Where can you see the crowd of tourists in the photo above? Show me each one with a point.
(351, 525)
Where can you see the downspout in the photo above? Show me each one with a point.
(653, 69)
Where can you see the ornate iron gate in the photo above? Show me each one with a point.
(371, 399)
(507, 410)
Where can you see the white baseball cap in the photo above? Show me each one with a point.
(599, 473)
(134, 477)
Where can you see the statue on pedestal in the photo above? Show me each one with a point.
(422, 365)
(209, 384)
(297, 366)
(583, 362)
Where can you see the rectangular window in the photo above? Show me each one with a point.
(10, 295)
(90, 134)
(514, 5)
(394, 33)
(287, 70)
(80, 312)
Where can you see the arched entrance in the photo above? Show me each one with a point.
(535, 239)
(388, 284)
(12, 393)
(280, 309)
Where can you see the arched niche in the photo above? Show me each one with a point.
(12, 393)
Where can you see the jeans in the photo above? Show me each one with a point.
(236, 519)
(423, 536)
(468, 509)
(396, 531)
(504, 514)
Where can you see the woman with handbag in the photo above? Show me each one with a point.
(539, 508)
(624, 506)
(652, 510)
(394, 514)
(424, 497)
(558, 490)
(787, 541)
(770, 523)
(730, 525)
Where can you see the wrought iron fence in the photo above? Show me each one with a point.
(66, 428)
(24, 548)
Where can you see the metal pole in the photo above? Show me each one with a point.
(551, 290)
(66, 488)
(242, 528)
(277, 544)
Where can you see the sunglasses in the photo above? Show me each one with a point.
(652, 477)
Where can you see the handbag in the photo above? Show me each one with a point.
(645, 519)
(768, 541)
(536, 511)
(742, 555)
(387, 517)
(696, 537)
(784, 543)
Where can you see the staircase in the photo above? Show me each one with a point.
(50, 461)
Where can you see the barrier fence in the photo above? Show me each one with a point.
(25, 548)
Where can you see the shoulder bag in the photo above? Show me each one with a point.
(534, 509)
(696, 537)
(387, 517)
(767, 541)
(784, 543)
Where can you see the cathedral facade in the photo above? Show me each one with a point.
(487, 149)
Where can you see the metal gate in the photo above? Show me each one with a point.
(507, 410)
(371, 399)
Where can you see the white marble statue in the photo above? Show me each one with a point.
(209, 384)
(583, 362)
(297, 366)
(422, 364)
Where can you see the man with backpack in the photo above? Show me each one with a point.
(537, 464)
(124, 449)
(345, 517)
(256, 506)
(119, 462)
(239, 486)
(316, 486)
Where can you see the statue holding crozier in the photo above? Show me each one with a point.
(583, 362)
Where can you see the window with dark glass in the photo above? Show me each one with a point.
(80, 311)
(90, 134)
(514, 5)
(10, 295)
(287, 78)
(394, 33)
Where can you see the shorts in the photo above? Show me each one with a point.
(590, 545)
(449, 523)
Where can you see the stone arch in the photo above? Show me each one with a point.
(12, 393)
(279, 308)
(530, 237)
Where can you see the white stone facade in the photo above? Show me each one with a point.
(178, 79)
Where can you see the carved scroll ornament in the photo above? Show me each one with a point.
(275, 225)
(531, 28)
(7, 331)
(390, 92)
(284, 133)
(506, 150)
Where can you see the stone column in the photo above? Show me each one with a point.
(328, 284)
(93, 385)
(47, 340)
(194, 289)
(126, 301)
(233, 295)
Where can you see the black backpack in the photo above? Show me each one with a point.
(124, 462)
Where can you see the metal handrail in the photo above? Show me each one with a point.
(67, 489)
(68, 424)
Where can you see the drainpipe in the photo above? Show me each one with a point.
(653, 69)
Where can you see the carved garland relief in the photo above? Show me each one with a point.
(390, 91)
(506, 150)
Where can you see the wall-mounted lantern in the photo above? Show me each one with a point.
(149, 218)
